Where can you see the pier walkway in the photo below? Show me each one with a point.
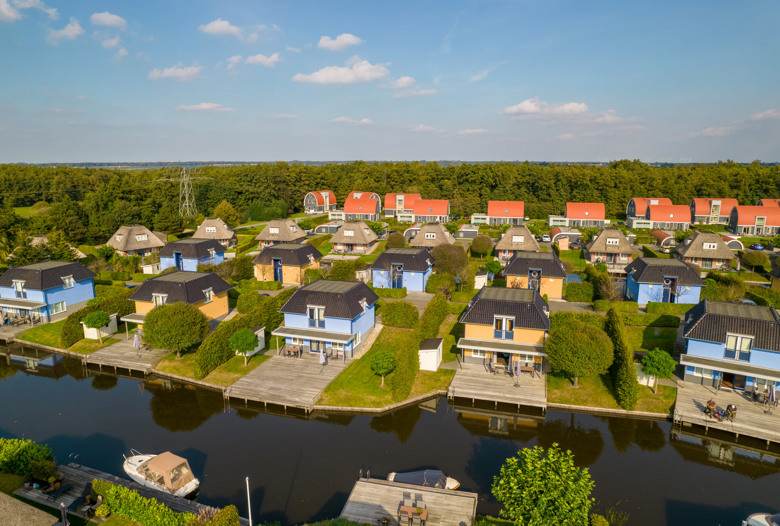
(473, 382)
(123, 356)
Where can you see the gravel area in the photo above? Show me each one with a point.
(16, 513)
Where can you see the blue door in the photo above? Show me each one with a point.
(177, 260)
(277, 270)
(396, 276)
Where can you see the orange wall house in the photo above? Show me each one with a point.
(553, 287)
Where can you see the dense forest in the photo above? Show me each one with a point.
(88, 204)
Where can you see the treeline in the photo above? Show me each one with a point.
(89, 204)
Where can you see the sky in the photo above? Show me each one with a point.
(502, 80)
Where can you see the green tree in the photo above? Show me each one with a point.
(396, 240)
(26, 254)
(659, 364)
(243, 341)
(452, 227)
(307, 224)
(377, 226)
(622, 370)
(775, 241)
(175, 327)
(494, 267)
(105, 252)
(450, 259)
(227, 213)
(755, 259)
(58, 248)
(96, 320)
(579, 349)
(541, 486)
(481, 245)
(383, 363)
(168, 220)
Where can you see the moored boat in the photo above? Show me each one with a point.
(165, 472)
(431, 478)
(762, 519)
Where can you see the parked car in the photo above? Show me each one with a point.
(546, 238)
(456, 217)
(621, 223)
(576, 245)
(526, 218)
(757, 246)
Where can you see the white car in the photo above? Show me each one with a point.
(545, 238)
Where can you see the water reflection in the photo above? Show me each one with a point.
(104, 382)
(400, 422)
(585, 443)
(178, 407)
(647, 434)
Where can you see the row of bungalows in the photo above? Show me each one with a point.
(358, 206)
(581, 215)
(137, 240)
(412, 208)
(501, 213)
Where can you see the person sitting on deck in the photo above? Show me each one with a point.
(710, 409)
(731, 412)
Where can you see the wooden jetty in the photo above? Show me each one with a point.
(122, 356)
(753, 419)
(371, 500)
(473, 382)
(80, 477)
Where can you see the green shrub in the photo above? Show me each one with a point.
(598, 520)
(668, 308)
(113, 275)
(248, 301)
(103, 282)
(17, 455)
(400, 314)
(650, 253)
(650, 320)
(763, 296)
(43, 469)
(96, 319)
(622, 370)
(403, 376)
(500, 283)
(578, 292)
(432, 318)
(129, 505)
(437, 282)
(227, 516)
(464, 296)
(119, 304)
(141, 277)
(559, 319)
(259, 285)
(389, 293)
(620, 306)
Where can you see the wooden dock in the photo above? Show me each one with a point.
(286, 382)
(373, 499)
(122, 356)
(753, 419)
(473, 382)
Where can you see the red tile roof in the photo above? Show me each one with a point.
(409, 200)
(671, 213)
(506, 208)
(702, 206)
(660, 235)
(431, 207)
(362, 205)
(643, 202)
(769, 202)
(585, 211)
(358, 194)
(319, 195)
(746, 215)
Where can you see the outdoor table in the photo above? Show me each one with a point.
(528, 369)
(411, 511)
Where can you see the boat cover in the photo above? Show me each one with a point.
(428, 477)
(167, 469)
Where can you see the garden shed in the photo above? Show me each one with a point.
(430, 354)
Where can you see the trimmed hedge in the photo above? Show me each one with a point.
(227, 516)
(437, 282)
(432, 318)
(259, 285)
(248, 301)
(140, 276)
(16, 455)
(650, 253)
(762, 296)
(464, 296)
(72, 331)
(128, 504)
(620, 306)
(112, 275)
(650, 320)
(668, 308)
(247, 246)
(622, 370)
(400, 314)
(389, 293)
(578, 292)
(559, 319)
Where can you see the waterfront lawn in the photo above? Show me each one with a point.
(596, 391)
(451, 331)
(429, 381)
(10, 482)
(649, 338)
(575, 257)
(46, 334)
(227, 373)
(487, 520)
(184, 367)
(89, 346)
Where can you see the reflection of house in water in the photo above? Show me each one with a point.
(748, 457)
(517, 425)
(35, 361)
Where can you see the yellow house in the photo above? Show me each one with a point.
(504, 326)
(286, 262)
(205, 290)
(541, 271)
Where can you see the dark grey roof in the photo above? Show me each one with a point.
(413, 259)
(547, 262)
(290, 254)
(191, 248)
(45, 275)
(654, 270)
(430, 344)
(181, 286)
(341, 299)
(710, 321)
(527, 307)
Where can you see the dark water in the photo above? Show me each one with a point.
(302, 470)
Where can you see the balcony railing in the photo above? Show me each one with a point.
(317, 324)
(503, 335)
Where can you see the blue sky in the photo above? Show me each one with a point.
(405, 80)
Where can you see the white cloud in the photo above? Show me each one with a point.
(472, 131)
(354, 122)
(178, 72)
(203, 106)
(261, 59)
(403, 82)
(110, 42)
(564, 137)
(423, 128)
(773, 113)
(281, 116)
(8, 13)
(355, 71)
(233, 61)
(108, 19)
(81, 97)
(342, 41)
(608, 117)
(716, 131)
(415, 92)
(293, 49)
(480, 75)
(220, 27)
(535, 107)
(69, 32)
(120, 54)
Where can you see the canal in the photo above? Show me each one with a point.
(302, 470)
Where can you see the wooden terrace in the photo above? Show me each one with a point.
(474, 382)
(753, 419)
(371, 500)
(123, 356)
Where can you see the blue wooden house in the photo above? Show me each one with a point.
(396, 268)
(45, 291)
(732, 346)
(187, 254)
(328, 316)
(662, 280)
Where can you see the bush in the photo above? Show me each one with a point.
(440, 282)
(400, 314)
(17, 455)
(464, 296)
(650, 253)
(96, 319)
(128, 504)
(141, 277)
(433, 317)
(119, 304)
(622, 371)
(578, 292)
(396, 240)
(650, 320)
(248, 301)
(762, 296)
(620, 306)
(559, 319)
(43, 469)
(598, 520)
(112, 275)
(390, 293)
(668, 308)
(259, 285)
(227, 516)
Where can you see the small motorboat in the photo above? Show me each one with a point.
(762, 519)
(431, 478)
(165, 472)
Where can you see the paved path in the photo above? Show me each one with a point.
(418, 299)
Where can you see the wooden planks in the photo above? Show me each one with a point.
(373, 499)
(752, 419)
(474, 382)
(124, 356)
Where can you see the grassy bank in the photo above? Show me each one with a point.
(597, 391)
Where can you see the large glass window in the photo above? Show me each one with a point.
(67, 282)
(738, 347)
(503, 328)
(159, 299)
(316, 317)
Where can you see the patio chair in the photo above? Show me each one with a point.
(416, 520)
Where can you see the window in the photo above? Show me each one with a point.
(296, 341)
(587, 213)
(19, 289)
(209, 293)
(141, 237)
(273, 230)
(159, 299)
(709, 246)
(67, 282)
(294, 228)
(357, 340)
(118, 237)
(518, 239)
(211, 230)
(476, 353)
(612, 241)
(56, 308)
(337, 346)
(316, 317)
(349, 233)
(738, 347)
(503, 327)
(212, 253)
(430, 235)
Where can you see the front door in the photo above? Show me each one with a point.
(316, 346)
(177, 260)
(611, 258)
(277, 269)
(728, 381)
(396, 276)
(733, 381)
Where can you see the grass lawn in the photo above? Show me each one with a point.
(487, 520)
(370, 258)
(89, 346)
(450, 330)
(10, 482)
(428, 381)
(648, 338)
(227, 373)
(575, 257)
(46, 334)
(596, 391)
(184, 367)
(751, 276)
(28, 211)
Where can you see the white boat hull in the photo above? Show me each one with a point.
(131, 468)
(451, 483)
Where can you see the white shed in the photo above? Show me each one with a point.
(480, 279)
(430, 354)
(260, 333)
